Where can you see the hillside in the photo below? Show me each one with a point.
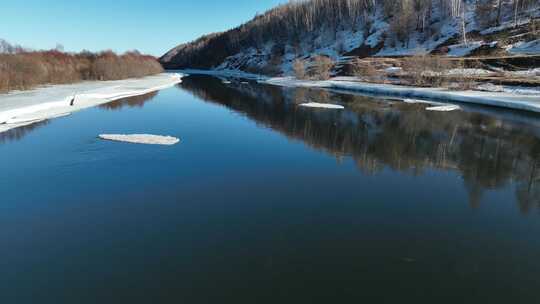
(346, 31)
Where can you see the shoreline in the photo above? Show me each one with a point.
(528, 103)
(20, 108)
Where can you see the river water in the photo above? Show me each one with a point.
(264, 201)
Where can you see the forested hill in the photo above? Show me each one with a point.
(338, 29)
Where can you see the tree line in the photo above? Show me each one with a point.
(22, 69)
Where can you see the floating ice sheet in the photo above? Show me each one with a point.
(322, 105)
(446, 108)
(146, 139)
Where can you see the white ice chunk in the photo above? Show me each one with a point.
(393, 70)
(446, 108)
(147, 139)
(322, 105)
(413, 101)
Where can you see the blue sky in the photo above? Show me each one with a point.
(150, 26)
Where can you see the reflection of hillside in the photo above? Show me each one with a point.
(489, 153)
(131, 102)
(18, 133)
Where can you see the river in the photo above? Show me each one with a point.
(264, 201)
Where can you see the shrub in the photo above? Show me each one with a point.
(25, 70)
(364, 70)
(433, 71)
(425, 70)
(535, 28)
(321, 67)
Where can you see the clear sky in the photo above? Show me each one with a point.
(152, 27)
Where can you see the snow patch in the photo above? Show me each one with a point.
(469, 72)
(464, 49)
(504, 26)
(527, 48)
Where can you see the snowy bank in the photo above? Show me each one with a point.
(147, 139)
(507, 99)
(497, 99)
(24, 107)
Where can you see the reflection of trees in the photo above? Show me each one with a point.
(131, 102)
(488, 152)
(19, 132)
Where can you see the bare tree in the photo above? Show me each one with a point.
(24, 70)
(463, 24)
(299, 69)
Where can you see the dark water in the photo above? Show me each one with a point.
(266, 202)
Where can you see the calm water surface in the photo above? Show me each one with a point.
(266, 202)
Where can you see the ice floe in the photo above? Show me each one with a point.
(414, 101)
(322, 105)
(147, 139)
(446, 108)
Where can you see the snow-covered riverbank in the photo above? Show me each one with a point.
(525, 102)
(513, 101)
(24, 107)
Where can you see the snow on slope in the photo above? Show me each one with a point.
(529, 48)
(374, 34)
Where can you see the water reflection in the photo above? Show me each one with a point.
(489, 152)
(20, 132)
(130, 102)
